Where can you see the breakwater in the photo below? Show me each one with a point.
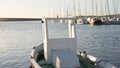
(20, 19)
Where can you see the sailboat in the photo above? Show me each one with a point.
(110, 19)
(95, 20)
(62, 53)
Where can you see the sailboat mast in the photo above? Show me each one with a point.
(108, 8)
(49, 9)
(85, 7)
(117, 6)
(65, 8)
(114, 7)
(68, 6)
(96, 9)
(105, 9)
(79, 8)
(74, 7)
(117, 3)
(54, 11)
(92, 6)
(59, 9)
(101, 12)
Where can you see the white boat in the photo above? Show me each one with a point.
(82, 21)
(62, 53)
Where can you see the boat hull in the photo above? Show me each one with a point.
(86, 60)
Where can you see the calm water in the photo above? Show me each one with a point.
(18, 38)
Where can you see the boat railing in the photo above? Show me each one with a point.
(34, 64)
(35, 50)
(34, 56)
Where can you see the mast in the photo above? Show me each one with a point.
(114, 7)
(68, 6)
(105, 9)
(79, 8)
(54, 9)
(65, 8)
(96, 8)
(92, 6)
(49, 9)
(59, 6)
(117, 6)
(101, 12)
(108, 7)
(85, 7)
(74, 7)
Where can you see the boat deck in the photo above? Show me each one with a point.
(41, 61)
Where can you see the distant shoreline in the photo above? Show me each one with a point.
(20, 19)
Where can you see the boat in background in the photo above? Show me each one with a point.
(94, 21)
(62, 53)
(110, 21)
(82, 21)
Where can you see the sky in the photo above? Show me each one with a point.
(23, 8)
(50, 8)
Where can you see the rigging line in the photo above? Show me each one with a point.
(96, 9)
(59, 8)
(68, 6)
(101, 8)
(79, 8)
(54, 10)
(49, 10)
(117, 6)
(88, 9)
(85, 7)
(105, 8)
(92, 6)
(114, 7)
(74, 7)
(108, 8)
(64, 7)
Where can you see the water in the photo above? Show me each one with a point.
(18, 38)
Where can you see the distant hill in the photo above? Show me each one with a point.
(19, 19)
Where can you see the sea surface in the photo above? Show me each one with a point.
(17, 39)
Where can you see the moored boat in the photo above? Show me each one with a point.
(62, 53)
(95, 21)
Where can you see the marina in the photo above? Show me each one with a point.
(60, 34)
(100, 41)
